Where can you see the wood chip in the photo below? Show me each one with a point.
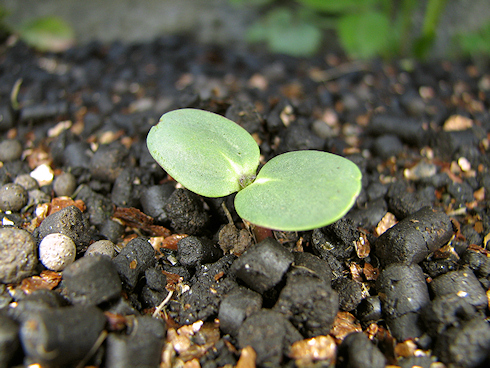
(47, 280)
(370, 273)
(58, 203)
(344, 324)
(247, 358)
(363, 248)
(133, 217)
(169, 242)
(314, 349)
(388, 221)
(405, 349)
(457, 123)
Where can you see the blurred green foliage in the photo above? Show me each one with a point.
(475, 44)
(48, 33)
(365, 28)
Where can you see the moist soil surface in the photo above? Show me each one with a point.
(106, 261)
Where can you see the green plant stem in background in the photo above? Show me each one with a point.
(431, 19)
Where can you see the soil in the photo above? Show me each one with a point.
(150, 274)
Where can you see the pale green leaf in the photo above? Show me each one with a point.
(48, 34)
(364, 35)
(300, 190)
(205, 152)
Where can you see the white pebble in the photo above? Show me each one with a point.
(57, 251)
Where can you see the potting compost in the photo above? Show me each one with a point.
(106, 261)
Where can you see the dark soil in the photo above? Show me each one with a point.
(403, 279)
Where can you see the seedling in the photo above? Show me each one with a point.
(214, 157)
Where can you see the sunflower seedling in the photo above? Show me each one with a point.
(214, 157)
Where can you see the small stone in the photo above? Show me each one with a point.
(103, 247)
(70, 222)
(27, 182)
(18, 255)
(10, 150)
(64, 184)
(57, 251)
(37, 196)
(43, 174)
(12, 197)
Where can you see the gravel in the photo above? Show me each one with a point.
(57, 251)
(151, 268)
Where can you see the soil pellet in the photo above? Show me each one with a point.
(308, 264)
(108, 162)
(270, 334)
(150, 298)
(64, 184)
(369, 309)
(133, 260)
(409, 130)
(101, 247)
(57, 251)
(309, 303)
(77, 155)
(6, 118)
(99, 207)
(37, 196)
(404, 327)
(446, 311)
(27, 182)
(387, 146)
(153, 200)
(155, 278)
(140, 347)
(12, 197)
(357, 351)
(465, 345)
(124, 190)
(208, 285)
(92, 281)
(415, 237)
(462, 283)
(404, 293)
(61, 336)
(9, 340)
(236, 307)
(18, 255)
(350, 293)
(10, 150)
(404, 289)
(263, 265)
(112, 230)
(39, 112)
(186, 212)
(36, 301)
(193, 251)
(68, 221)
